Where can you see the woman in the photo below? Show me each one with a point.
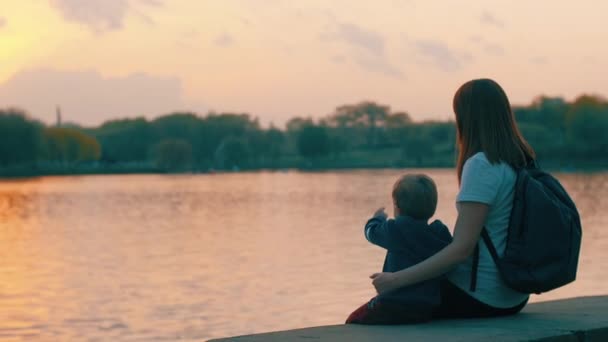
(490, 147)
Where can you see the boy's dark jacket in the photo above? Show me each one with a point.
(408, 242)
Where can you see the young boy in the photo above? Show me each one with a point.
(408, 239)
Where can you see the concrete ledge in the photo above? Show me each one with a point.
(569, 320)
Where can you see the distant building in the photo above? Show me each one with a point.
(58, 123)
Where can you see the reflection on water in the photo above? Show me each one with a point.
(194, 257)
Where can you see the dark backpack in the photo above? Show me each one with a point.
(543, 238)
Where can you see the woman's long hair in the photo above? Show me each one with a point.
(485, 123)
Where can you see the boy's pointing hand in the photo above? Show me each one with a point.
(380, 214)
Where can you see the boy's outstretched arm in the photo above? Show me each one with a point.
(378, 229)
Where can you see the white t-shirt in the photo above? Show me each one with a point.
(491, 184)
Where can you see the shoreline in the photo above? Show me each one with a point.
(33, 172)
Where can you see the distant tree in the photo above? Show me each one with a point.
(399, 119)
(264, 145)
(552, 114)
(542, 139)
(69, 145)
(293, 128)
(587, 122)
(126, 140)
(173, 155)
(274, 141)
(440, 138)
(337, 143)
(296, 124)
(232, 123)
(89, 148)
(20, 138)
(215, 128)
(367, 114)
(557, 129)
(416, 145)
(232, 153)
(543, 124)
(313, 142)
(177, 126)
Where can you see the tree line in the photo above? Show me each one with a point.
(365, 134)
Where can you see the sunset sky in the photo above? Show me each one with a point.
(275, 59)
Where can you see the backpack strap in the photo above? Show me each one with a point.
(473, 286)
(490, 245)
(475, 266)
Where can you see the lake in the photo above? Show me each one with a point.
(191, 257)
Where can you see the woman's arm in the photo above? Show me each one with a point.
(470, 221)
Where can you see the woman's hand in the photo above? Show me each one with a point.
(383, 282)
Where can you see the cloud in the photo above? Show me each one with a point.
(489, 47)
(88, 98)
(378, 65)
(192, 33)
(155, 3)
(357, 37)
(2, 22)
(539, 60)
(338, 59)
(441, 56)
(476, 38)
(101, 15)
(494, 49)
(224, 40)
(367, 48)
(488, 18)
(246, 21)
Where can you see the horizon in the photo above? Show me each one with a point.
(275, 60)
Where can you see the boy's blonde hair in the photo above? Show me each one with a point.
(415, 195)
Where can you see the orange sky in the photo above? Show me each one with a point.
(275, 59)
